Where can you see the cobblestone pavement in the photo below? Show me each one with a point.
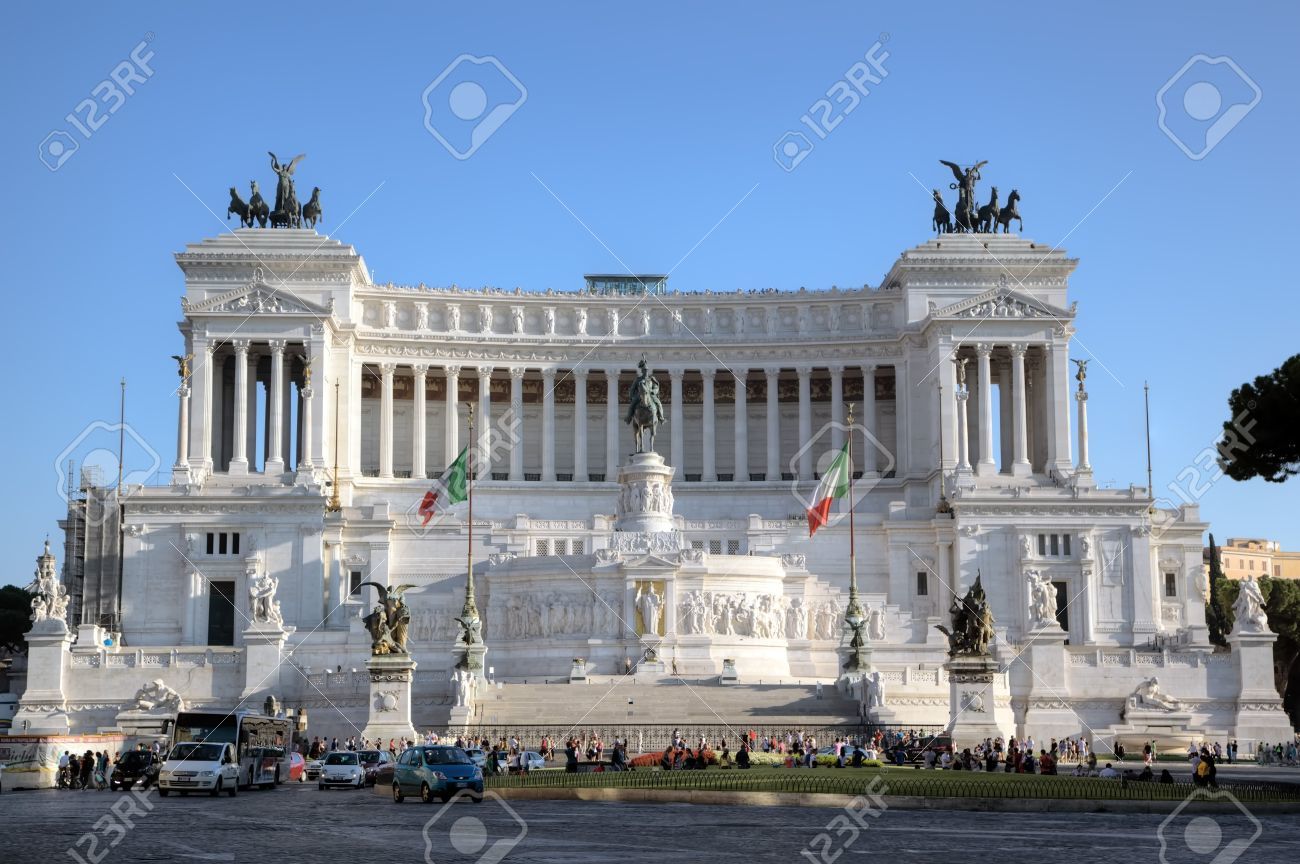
(299, 823)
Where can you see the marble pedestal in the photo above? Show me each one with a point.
(263, 656)
(1040, 681)
(390, 697)
(43, 709)
(1260, 717)
(645, 501)
(973, 710)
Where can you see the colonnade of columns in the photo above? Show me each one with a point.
(1027, 412)
(706, 431)
(218, 429)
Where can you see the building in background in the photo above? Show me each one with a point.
(1251, 558)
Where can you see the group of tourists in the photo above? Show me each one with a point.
(90, 770)
(1278, 753)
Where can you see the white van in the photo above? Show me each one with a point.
(200, 766)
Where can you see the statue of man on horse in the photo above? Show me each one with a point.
(645, 412)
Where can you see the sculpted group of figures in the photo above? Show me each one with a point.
(287, 213)
(545, 613)
(972, 623)
(970, 217)
(762, 616)
(652, 497)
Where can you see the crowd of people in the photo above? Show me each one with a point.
(93, 769)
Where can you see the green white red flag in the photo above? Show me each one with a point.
(834, 484)
(451, 488)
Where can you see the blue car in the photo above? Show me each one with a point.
(436, 772)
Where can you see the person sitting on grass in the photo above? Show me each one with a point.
(1108, 773)
(725, 759)
(1146, 774)
(742, 756)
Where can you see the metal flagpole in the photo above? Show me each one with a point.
(1146, 400)
(854, 608)
(470, 605)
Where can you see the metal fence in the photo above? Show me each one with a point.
(850, 781)
(652, 737)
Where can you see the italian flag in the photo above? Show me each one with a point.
(451, 487)
(834, 484)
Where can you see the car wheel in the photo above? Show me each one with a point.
(426, 794)
(216, 790)
(320, 786)
(234, 790)
(398, 797)
(361, 783)
(477, 799)
(163, 793)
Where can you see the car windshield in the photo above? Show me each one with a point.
(134, 759)
(445, 756)
(341, 759)
(369, 757)
(193, 751)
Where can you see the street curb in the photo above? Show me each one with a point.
(899, 802)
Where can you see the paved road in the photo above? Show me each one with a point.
(299, 823)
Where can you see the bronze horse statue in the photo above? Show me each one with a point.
(257, 208)
(1009, 212)
(988, 215)
(941, 222)
(311, 212)
(644, 420)
(237, 205)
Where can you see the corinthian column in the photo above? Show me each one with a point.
(483, 464)
(772, 374)
(710, 468)
(611, 424)
(386, 371)
(987, 466)
(452, 449)
(837, 407)
(275, 412)
(579, 425)
(676, 420)
(741, 474)
(419, 422)
(239, 430)
(805, 422)
(548, 425)
(1020, 434)
(870, 449)
(517, 409)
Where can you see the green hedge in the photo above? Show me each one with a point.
(906, 782)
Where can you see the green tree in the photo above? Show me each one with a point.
(1216, 618)
(1262, 438)
(15, 618)
(1282, 603)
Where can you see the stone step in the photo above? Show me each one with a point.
(662, 701)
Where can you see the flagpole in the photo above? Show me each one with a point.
(853, 608)
(470, 606)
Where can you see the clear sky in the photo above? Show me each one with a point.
(651, 123)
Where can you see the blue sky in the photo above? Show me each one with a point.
(651, 124)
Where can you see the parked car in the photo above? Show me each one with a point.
(313, 768)
(297, 767)
(532, 760)
(372, 761)
(199, 766)
(342, 768)
(135, 766)
(436, 772)
(477, 756)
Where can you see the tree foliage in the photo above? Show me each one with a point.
(1216, 614)
(15, 617)
(1262, 438)
(1282, 603)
